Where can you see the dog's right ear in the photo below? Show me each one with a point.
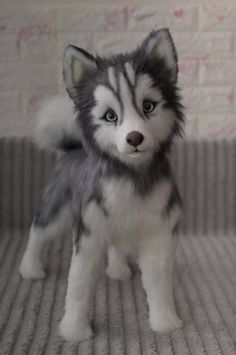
(160, 44)
(76, 62)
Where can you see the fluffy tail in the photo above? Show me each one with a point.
(56, 126)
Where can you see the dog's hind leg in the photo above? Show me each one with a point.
(31, 265)
(51, 221)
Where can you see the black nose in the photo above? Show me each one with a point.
(134, 138)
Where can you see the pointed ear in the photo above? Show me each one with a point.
(76, 62)
(160, 44)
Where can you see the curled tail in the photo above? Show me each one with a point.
(56, 126)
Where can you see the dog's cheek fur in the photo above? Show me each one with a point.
(104, 136)
(105, 132)
(162, 125)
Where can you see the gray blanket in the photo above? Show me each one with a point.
(205, 282)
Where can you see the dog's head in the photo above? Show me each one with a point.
(129, 106)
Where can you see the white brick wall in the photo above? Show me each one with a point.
(33, 36)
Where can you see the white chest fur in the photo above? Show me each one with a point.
(131, 216)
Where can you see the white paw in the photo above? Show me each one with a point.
(31, 269)
(119, 272)
(165, 322)
(74, 331)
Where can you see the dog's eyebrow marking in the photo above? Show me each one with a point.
(105, 97)
(112, 78)
(124, 90)
(126, 94)
(130, 73)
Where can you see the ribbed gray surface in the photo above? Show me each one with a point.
(205, 285)
(205, 290)
(24, 170)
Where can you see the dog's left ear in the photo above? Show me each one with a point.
(76, 62)
(160, 44)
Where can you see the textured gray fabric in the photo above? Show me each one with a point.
(205, 291)
(205, 283)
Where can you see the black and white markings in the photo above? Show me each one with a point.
(128, 88)
(130, 73)
(112, 77)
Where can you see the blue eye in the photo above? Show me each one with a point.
(110, 116)
(148, 106)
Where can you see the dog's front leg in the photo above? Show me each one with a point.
(156, 262)
(87, 261)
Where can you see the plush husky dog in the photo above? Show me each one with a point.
(113, 180)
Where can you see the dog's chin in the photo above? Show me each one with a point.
(133, 158)
(136, 157)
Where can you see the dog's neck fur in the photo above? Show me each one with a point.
(143, 176)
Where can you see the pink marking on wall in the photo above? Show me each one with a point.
(179, 13)
(200, 58)
(129, 10)
(214, 130)
(188, 63)
(35, 99)
(230, 98)
(220, 18)
(113, 19)
(214, 3)
(32, 100)
(3, 28)
(33, 33)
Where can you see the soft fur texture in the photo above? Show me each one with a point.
(114, 181)
(56, 124)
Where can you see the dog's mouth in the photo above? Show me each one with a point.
(136, 153)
